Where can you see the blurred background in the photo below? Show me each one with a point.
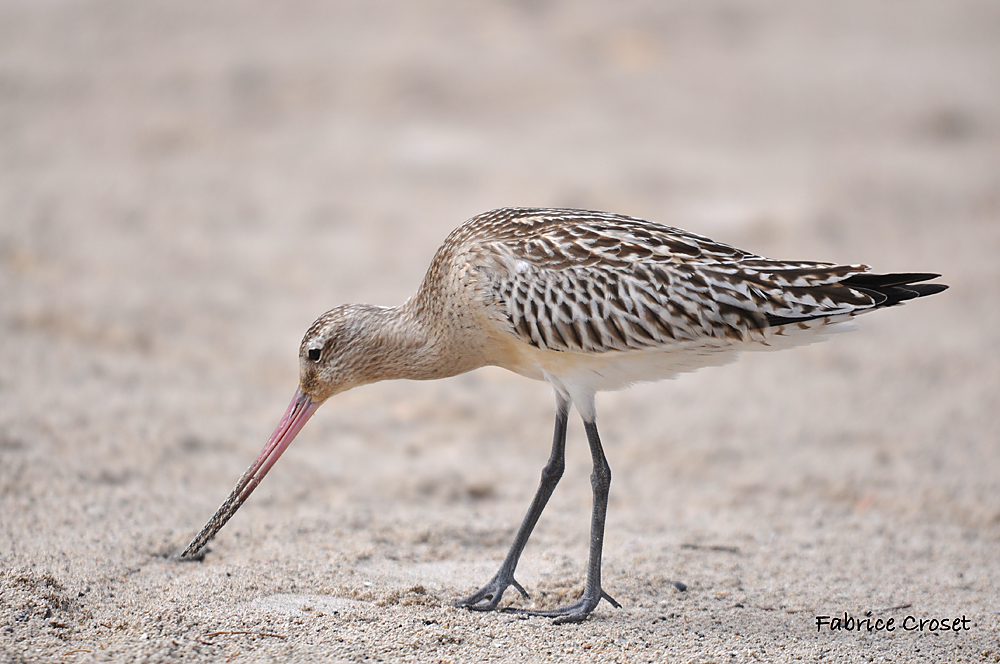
(185, 186)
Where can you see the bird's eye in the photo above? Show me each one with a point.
(314, 354)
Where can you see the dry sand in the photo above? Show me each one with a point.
(185, 186)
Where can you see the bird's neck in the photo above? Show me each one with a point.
(406, 343)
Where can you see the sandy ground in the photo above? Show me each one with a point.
(185, 186)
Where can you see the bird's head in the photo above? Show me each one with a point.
(339, 351)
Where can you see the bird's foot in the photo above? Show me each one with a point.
(487, 597)
(571, 613)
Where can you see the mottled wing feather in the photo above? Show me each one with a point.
(596, 282)
(649, 306)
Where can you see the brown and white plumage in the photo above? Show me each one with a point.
(590, 282)
(607, 300)
(587, 301)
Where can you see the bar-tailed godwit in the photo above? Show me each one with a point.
(587, 301)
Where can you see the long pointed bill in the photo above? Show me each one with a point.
(298, 413)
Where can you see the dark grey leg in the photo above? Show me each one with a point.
(600, 480)
(487, 597)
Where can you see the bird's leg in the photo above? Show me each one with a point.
(487, 597)
(600, 480)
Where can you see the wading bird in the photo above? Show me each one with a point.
(586, 301)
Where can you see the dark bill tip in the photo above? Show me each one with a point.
(298, 413)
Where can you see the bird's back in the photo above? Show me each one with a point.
(622, 299)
